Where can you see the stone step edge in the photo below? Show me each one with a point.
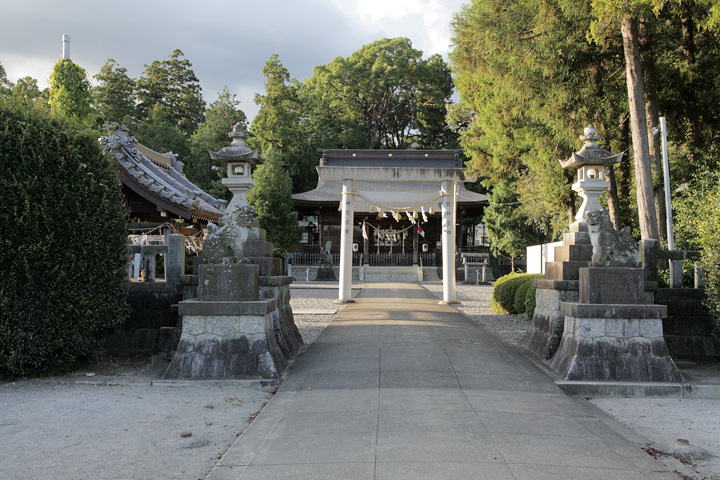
(639, 389)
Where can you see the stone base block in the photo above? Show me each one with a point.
(612, 285)
(564, 270)
(267, 265)
(287, 334)
(613, 348)
(233, 282)
(227, 340)
(545, 331)
(573, 253)
(326, 273)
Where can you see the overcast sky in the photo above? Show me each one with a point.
(227, 42)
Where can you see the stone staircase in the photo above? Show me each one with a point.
(391, 274)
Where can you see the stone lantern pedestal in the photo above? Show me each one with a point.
(594, 319)
(241, 324)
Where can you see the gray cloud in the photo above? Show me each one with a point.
(227, 42)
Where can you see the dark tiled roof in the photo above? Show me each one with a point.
(416, 193)
(391, 158)
(159, 178)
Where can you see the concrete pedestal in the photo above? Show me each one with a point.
(546, 329)
(227, 339)
(560, 285)
(620, 342)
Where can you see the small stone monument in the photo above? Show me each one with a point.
(326, 270)
(241, 324)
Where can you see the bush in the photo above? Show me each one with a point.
(496, 306)
(63, 244)
(530, 302)
(520, 294)
(503, 296)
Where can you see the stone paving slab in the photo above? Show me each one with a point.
(398, 386)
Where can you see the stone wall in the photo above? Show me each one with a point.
(688, 326)
(153, 324)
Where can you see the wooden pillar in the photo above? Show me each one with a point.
(448, 241)
(366, 243)
(346, 238)
(415, 244)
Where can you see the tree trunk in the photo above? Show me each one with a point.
(654, 143)
(638, 124)
(690, 93)
(611, 194)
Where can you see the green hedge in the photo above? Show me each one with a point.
(505, 290)
(529, 302)
(62, 247)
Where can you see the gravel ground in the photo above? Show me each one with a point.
(117, 425)
(114, 424)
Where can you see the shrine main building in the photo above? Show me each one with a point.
(396, 222)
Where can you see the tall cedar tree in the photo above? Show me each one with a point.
(114, 97)
(172, 85)
(272, 199)
(212, 135)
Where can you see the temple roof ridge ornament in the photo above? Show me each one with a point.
(591, 153)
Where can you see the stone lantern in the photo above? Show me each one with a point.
(592, 163)
(239, 159)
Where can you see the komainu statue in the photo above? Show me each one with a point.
(610, 247)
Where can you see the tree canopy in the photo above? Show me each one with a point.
(172, 85)
(115, 95)
(70, 90)
(273, 203)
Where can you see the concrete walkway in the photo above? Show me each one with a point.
(401, 387)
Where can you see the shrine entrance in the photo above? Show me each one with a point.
(396, 192)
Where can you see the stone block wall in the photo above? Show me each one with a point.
(688, 327)
(153, 324)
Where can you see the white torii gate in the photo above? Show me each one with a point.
(447, 179)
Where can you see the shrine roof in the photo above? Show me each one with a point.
(158, 177)
(390, 193)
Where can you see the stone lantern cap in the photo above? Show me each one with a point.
(590, 153)
(237, 151)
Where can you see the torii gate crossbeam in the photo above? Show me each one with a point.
(447, 179)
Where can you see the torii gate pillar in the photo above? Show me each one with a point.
(346, 238)
(447, 189)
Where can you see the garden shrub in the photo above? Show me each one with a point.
(520, 293)
(496, 306)
(529, 302)
(503, 297)
(62, 247)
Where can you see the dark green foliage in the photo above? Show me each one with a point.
(520, 295)
(62, 247)
(70, 91)
(273, 203)
(697, 227)
(529, 302)
(114, 97)
(172, 85)
(503, 296)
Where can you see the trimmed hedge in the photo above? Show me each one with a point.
(505, 289)
(63, 244)
(520, 294)
(529, 302)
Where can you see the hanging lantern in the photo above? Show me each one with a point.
(415, 214)
(431, 211)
